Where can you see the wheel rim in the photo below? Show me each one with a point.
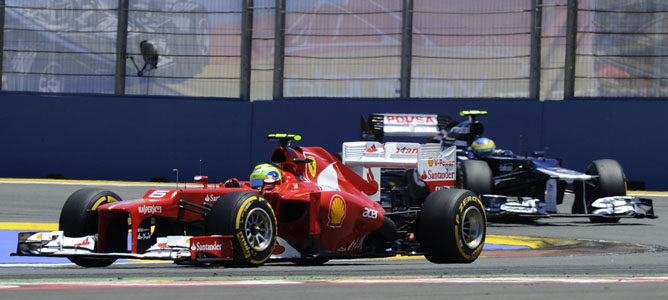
(258, 230)
(473, 227)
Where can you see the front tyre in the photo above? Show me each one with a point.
(78, 218)
(611, 181)
(249, 218)
(475, 176)
(452, 226)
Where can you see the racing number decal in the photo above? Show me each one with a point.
(157, 194)
(464, 250)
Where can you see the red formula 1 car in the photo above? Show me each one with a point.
(318, 209)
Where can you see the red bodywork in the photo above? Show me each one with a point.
(317, 195)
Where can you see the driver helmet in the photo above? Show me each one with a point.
(483, 147)
(262, 172)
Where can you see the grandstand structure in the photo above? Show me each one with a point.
(577, 79)
(271, 49)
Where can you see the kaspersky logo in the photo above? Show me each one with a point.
(150, 209)
(337, 211)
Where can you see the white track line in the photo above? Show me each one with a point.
(276, 282)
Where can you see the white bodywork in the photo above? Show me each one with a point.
(436, 166)
(54, 243)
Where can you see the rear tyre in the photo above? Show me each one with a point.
(249, 218)
(452, 227)
(78, 218)
(417, 189)
(475, 176)
(611, 181)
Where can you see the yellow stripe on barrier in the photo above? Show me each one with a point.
(657, 193)
(28, 226)
(75, 181)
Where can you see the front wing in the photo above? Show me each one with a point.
(176, 248)
(180, 249)
(497, 206)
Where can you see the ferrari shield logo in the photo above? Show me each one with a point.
(312, 166)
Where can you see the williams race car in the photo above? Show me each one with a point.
(509, 185)
(305, 206)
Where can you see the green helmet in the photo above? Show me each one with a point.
(262, 172)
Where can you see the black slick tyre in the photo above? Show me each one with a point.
(475, 176)
(78, 218)
(611, 181)
(250, 220)
(452, 226)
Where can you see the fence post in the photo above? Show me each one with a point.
(121, 47)
(571, 44)
(2, 36)
(246, 48)
(406, 49)
(279, 49)
(536, 32)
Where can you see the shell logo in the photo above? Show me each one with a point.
(431, 162)
(337, 211)
(312, 167)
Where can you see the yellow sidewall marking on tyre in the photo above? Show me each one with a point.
(242, 211)
(244, 246)
(103, 200)
(460, 243)
(240, 235)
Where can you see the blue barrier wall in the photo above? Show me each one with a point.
(328, 123)
(137, 138)
(632, 132)
(128, 138)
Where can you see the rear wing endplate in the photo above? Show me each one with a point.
(437, 168)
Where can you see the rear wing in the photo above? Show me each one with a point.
(436, 167)
(414, 125)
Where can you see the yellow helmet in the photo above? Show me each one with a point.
(262, 172)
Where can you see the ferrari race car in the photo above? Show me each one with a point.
(311, 209)
(512, 186)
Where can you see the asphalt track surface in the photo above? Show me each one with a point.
(581, 260)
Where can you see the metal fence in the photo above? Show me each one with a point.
(268, 49)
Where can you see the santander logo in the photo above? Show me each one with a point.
(429, 175)
(206, 247)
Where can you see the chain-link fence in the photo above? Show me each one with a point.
(266, 49)
(623, 48)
